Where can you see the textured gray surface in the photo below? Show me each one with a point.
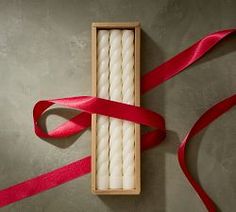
(45, 53)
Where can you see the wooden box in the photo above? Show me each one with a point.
(135, 26)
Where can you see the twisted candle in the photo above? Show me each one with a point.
(103, 121)
(115, 124)
(128, 97)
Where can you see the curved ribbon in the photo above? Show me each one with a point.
(135, 114)
(94, 105)
(208, 117)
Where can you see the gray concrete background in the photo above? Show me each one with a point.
(45, 53)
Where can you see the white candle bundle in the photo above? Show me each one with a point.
(103, 121)
(115, 138)
(128, 97)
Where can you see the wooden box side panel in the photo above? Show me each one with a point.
(118, 25)
(94, 93)
(137, 103)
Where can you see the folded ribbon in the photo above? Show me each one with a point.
(92, 105)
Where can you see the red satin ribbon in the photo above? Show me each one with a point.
(90, 105)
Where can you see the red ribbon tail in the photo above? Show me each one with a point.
(45, 181)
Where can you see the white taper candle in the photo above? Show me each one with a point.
(115, 124)
(128, 97)
(103, 121)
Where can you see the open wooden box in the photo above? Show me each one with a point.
(135, 26)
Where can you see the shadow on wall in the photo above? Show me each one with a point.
(154, 163)
(66, 114)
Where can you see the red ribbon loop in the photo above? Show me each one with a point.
(94, 105)
(90, 105)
